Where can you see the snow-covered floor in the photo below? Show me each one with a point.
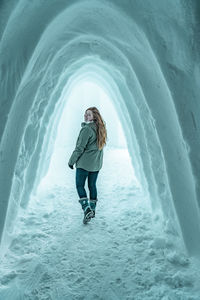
(121, 254)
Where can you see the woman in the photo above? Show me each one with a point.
(88, 157)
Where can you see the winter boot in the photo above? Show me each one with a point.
(93, 203)
(86, 208)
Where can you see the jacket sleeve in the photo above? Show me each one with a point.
(81, 143)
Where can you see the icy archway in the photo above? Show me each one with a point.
(143, 61)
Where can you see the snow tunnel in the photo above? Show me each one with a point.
(142, 55)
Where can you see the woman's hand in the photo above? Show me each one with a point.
(70, 166)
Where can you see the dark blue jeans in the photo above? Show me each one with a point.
(81, 175)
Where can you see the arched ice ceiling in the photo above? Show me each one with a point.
(143, 54)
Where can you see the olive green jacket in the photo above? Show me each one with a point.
(87, 154)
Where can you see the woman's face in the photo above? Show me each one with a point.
(88, 115)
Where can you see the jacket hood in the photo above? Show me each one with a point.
(91, 124)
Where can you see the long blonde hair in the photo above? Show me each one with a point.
(101, 127)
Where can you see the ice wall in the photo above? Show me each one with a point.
(145, 54)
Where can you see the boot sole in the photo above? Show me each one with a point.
(88, 217)
(93, 215)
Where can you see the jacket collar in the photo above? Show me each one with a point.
(87, 122)
(90, 123)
